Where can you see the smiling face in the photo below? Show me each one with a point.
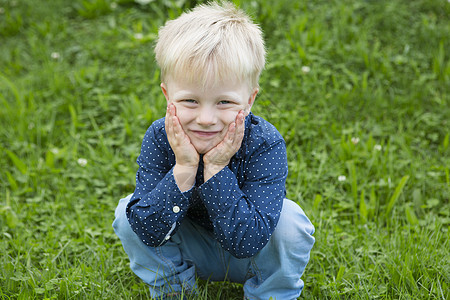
(205, 112)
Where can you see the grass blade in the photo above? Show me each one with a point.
(20, 165)
(363, 212)
(317, 201)
(411, 216)
(397, 192)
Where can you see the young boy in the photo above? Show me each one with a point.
(210, 189)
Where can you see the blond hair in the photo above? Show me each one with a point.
(215, 41)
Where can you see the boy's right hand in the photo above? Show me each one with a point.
(186, 156)
(185, 153)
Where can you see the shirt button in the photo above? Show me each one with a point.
(176, 209)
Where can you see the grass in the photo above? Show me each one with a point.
(359, 89)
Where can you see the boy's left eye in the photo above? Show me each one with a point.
(224, 102)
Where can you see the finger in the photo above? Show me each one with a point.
(168, 121)
(171, 134)
(174, 119)
(231, 132)
(177, 129)
(240, 129)
(173, 109)
(175, 122)
(240, 121)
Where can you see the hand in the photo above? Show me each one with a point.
(185, 153)
(219, 156)
(186, 156)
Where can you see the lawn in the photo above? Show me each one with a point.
(359, 90)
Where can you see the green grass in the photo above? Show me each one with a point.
(359, 89)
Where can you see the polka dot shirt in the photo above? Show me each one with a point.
(241, 204)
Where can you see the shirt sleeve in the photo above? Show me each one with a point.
(157, 206)
(244, 217)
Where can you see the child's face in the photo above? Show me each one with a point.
(206, 112)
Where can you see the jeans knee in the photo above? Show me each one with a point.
(279, 266)
(120, 224)
(294, 228)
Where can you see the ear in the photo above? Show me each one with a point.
(165, 92)
(251, 100)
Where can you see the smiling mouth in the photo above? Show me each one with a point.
(205, 134)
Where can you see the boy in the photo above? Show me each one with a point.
(210, 189)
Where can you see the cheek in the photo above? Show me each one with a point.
(229, 117)
(184, 115)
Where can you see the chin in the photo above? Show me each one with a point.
(202, 149)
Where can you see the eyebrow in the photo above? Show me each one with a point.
(232, 95)
(184, 94)
(187, 94)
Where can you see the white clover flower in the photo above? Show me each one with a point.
(31, 125)
(355, 140)
(306, 69)
(55, 55)
(113, 5)
(378, 147)
(138, 36)
(54, 150)
(342, 178)
(82, 162)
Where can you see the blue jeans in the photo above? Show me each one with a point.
(274, 272)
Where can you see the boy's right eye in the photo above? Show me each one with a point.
(189, 101)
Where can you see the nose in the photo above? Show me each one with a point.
(207, 116)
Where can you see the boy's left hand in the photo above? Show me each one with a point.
(218, 157)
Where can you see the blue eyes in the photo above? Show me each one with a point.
(191, 101)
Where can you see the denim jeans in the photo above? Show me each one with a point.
(274, 272)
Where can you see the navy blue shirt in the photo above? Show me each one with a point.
(240, 205)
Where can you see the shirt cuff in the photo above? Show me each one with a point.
(177, 202)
